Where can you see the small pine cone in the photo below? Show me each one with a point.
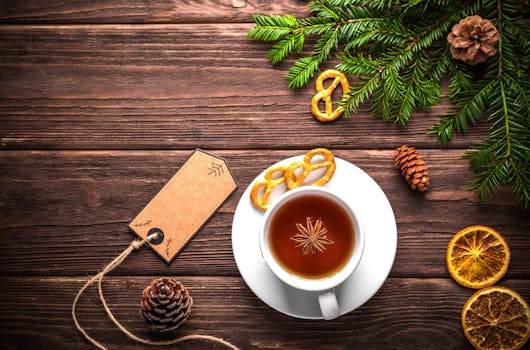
(412, 167)
(473, 39)
(165, 304)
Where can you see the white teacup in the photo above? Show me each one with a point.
(323, 286)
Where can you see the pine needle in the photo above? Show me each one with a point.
(399, 53)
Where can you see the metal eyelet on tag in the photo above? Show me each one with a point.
(159, 238)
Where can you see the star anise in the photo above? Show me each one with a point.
(312, 237)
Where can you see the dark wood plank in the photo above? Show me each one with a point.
(405, 314)
(65, 213)
(170, 87)
(144, 11)
(102, 101)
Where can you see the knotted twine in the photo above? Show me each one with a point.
(136, 244)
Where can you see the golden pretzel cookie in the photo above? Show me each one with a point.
(325, 94)
(269, 183)
(292, 180)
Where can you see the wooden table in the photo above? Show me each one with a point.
(101, 102)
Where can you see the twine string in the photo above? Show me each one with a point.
(136, 244)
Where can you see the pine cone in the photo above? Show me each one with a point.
(473, 40)
(165, 304)
(413, 168)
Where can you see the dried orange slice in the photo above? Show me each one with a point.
(477, 256)
(496, 318)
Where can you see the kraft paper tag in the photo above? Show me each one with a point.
(185, 203)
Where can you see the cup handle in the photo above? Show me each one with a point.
(328, 304)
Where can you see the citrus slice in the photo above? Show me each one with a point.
(477, 256)
(496, 318)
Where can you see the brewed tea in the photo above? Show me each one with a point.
(311, 236)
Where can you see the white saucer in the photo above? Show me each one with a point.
(367, 198)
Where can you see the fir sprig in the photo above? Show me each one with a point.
(398, 51)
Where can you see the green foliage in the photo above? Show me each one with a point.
(399, 53)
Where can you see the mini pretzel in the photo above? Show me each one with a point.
(270, 183)
(293, 181)
(325, 94)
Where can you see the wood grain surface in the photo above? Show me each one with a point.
(101, 102)
(406, 313)
(109, 188)
(170, 87)
(144, 11)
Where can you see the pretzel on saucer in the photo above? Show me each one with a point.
(293, 180)
(325, 94)
(269, 183)
(290, 177)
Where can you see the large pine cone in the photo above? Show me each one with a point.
(165, 304)
(473, 40)
(412, 167)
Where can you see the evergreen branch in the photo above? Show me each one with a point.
(285, 46)
(460, 80)
(325, 44)
(399, 53)
(470, 110)
(383, 36)
(361, 92)
(521, 91)
(440, 63)
(381, 104)
(521, 185)
(325, 8)
(503, 157)
(363, 89)
(490, 179)
(303, 70)
(379, 4)
(272, 28)
(411, 99)
(395, 60)
(315, 25)
(407, 106)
